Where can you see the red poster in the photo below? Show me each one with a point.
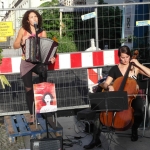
(45, 97)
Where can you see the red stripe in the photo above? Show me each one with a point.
(6, 66)
(75, 60)
(54, 66)
(93, 76)
(116, 56)
(98, 58)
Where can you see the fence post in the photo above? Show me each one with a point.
(96, 37)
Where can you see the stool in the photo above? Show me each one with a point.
(86, 115)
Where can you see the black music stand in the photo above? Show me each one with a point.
(109, 101)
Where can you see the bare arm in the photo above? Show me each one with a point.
(141, 69)
(44, 34)
(18, 40)
(106, 85)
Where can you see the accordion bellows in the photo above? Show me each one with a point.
(46, 47)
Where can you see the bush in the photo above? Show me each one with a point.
(66, 45)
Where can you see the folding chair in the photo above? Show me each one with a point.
(143, 93)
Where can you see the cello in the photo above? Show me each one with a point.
(122, 120)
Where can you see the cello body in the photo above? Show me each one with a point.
(121, 120)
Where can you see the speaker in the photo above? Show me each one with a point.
(87, 126)
(86, 114)
(46, 144)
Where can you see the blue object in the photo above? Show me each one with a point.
(102, 80)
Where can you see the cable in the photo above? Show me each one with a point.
(79, 129)
(71, 140)
(146, 137)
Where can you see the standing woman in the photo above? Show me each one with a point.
(27, 68)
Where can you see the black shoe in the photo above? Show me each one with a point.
(134, 136)
(93, 143)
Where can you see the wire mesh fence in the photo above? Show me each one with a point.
(115, 24)
(71, 91)
(112, 26)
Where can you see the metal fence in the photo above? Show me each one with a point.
(114, 25)
(111, 26)
(71, 90)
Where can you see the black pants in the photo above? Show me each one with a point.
(138, 107)
(39, 69)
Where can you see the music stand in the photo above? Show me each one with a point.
(109, 101)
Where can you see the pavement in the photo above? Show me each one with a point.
(110, 141)
(73, 129)
(75, 137)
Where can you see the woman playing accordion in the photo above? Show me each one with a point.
(27, 68)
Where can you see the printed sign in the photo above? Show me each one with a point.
(88, 16)
(45, 97)
(3, 39)
(143, 23)
(6, 29)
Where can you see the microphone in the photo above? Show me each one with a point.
(36, 26)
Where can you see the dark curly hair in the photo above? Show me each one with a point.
(25, 19)
(51, 96)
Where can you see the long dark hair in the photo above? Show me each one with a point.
(124, 49)
(25, 23)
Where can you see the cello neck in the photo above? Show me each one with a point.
(122, 85)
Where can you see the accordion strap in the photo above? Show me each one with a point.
(23, 48)
(40, 31)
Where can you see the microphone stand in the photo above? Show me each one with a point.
(37, 51)
(38, 54)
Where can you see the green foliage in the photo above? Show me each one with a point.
(51, 23)
(3, 79)
(129, 39)
(52, 3)
(66, 44)
(110, 26)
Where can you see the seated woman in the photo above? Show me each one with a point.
(115, 72)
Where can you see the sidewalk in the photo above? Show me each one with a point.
(72, 128)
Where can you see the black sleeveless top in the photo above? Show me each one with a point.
(115, 73)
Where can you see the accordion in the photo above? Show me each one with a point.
(39, 50)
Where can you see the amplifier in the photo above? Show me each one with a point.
(46, 144)
(86, 114)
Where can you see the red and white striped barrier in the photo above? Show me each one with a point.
(76, 60)
(67, 61)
